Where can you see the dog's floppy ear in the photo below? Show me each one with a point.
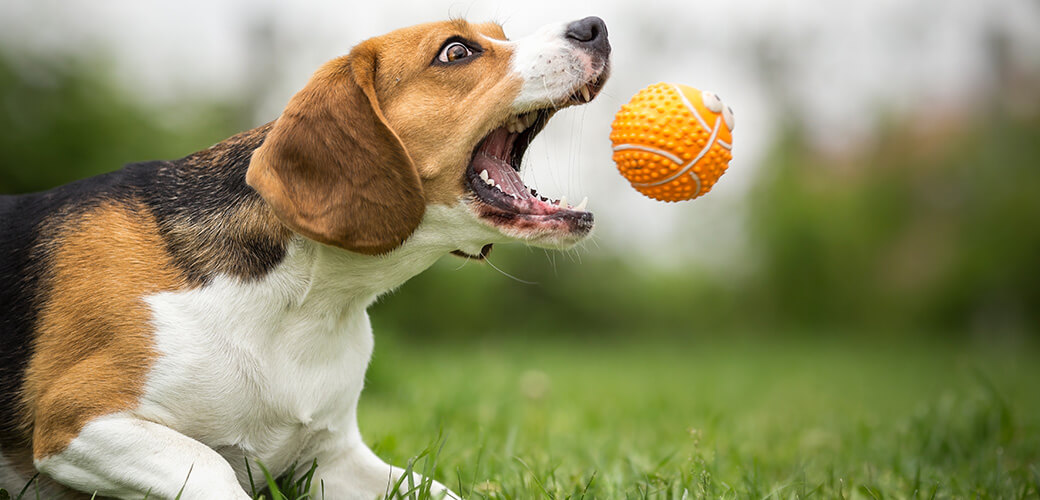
(331, 167)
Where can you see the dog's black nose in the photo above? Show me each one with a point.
(590, 33)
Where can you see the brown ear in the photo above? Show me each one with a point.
(333, 170)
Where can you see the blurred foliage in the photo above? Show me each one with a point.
(932, 228)
(65, 119)
(928, 229)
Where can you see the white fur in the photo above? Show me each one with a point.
(551, 67)
(13, 482)
(126, 457)
(271, 370)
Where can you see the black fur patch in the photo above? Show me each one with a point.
(199, 207)
(211, 220)
(19, 218)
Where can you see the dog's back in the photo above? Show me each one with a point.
(23, 218)
(173, 319)
(17, 237)
(75, 262)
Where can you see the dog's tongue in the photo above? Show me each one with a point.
(493, 157)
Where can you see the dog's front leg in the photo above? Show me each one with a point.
(349, 470)
(124, 457)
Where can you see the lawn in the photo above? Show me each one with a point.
(730, 417)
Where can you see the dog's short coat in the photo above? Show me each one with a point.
(163, 323)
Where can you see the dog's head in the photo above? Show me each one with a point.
(435, 114)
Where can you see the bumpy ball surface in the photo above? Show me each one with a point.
(673, 142)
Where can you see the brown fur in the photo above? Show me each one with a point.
(93, 349)
(440, 139)
(222, 240)
(359, 152)
(352, 162)
(333, 170)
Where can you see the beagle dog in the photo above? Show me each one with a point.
(163, 324)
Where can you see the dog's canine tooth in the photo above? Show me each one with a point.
(484, 175)
(585, 93)
(581, 206)
(563, 202)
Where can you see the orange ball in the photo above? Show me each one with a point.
(673, 142)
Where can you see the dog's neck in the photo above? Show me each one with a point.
(330, 279)
(333, 279)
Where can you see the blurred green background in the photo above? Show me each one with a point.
(852, 312)
(926, 231)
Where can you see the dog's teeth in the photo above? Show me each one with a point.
(563, 202)
(491, 182)
(585, 93)
(524, 121)
(519, 123)
(484, 175)
(581, 206)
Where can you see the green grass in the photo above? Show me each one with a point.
(724, 418)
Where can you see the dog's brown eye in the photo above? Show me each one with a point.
(453, 52)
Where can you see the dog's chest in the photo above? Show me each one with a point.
(246, 371)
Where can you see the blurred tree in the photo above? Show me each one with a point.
(930, 228)
(62, 120)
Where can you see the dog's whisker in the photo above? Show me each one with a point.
(510, 276)
(258, 312)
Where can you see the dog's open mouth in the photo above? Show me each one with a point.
(494, 175)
